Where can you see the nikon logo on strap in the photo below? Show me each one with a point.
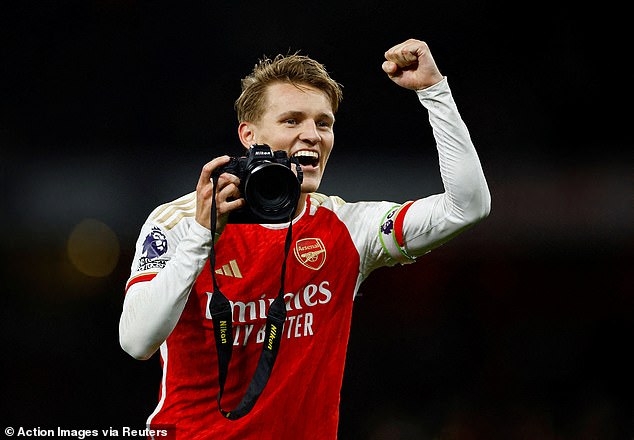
(272, 336)
(223, 332)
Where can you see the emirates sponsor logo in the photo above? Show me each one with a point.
(311, 252)
(249, 324)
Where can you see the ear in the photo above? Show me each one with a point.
(246, 133)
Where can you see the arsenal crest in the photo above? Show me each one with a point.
(311, 252)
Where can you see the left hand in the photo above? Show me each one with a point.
(411, 65)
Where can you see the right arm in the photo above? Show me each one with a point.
(153, 305)
(155, 298)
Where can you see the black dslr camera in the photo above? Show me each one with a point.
(267, 183)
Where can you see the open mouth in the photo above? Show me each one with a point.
(307, 158)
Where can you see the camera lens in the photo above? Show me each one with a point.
(272, 191)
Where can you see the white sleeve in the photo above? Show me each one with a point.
(151, 309)
(413, 229)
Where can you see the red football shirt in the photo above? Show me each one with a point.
(334, 246)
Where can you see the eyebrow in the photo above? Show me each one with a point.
(300, 114)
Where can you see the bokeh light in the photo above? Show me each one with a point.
(93, 248)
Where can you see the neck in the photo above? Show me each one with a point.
(300, 204)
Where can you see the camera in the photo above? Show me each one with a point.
(267, 183)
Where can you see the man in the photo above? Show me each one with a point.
(288, 103)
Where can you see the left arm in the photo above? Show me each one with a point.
(429, 222)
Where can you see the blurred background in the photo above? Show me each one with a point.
(521, 328)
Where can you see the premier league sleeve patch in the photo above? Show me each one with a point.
(154, 246)
(155, 243)
(391, 233)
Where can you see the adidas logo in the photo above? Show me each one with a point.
(231, 270)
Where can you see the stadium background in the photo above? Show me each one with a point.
(520, 328)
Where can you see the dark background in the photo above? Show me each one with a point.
(520, 328)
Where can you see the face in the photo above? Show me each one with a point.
(298, 120)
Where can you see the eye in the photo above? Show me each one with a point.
(324, 124)
(290, 121)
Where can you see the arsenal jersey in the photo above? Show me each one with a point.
(335, 245)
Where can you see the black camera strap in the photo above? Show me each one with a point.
(221, 313)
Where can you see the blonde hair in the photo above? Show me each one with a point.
(295, 69)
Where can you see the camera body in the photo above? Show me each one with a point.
(267, 183)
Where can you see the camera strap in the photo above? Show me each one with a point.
(221, 313)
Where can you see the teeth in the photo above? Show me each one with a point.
(305, 153)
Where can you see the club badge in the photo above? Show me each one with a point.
(311, 252)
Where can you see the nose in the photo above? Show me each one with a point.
(310, 133)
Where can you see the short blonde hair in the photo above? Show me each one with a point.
(294, 69)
